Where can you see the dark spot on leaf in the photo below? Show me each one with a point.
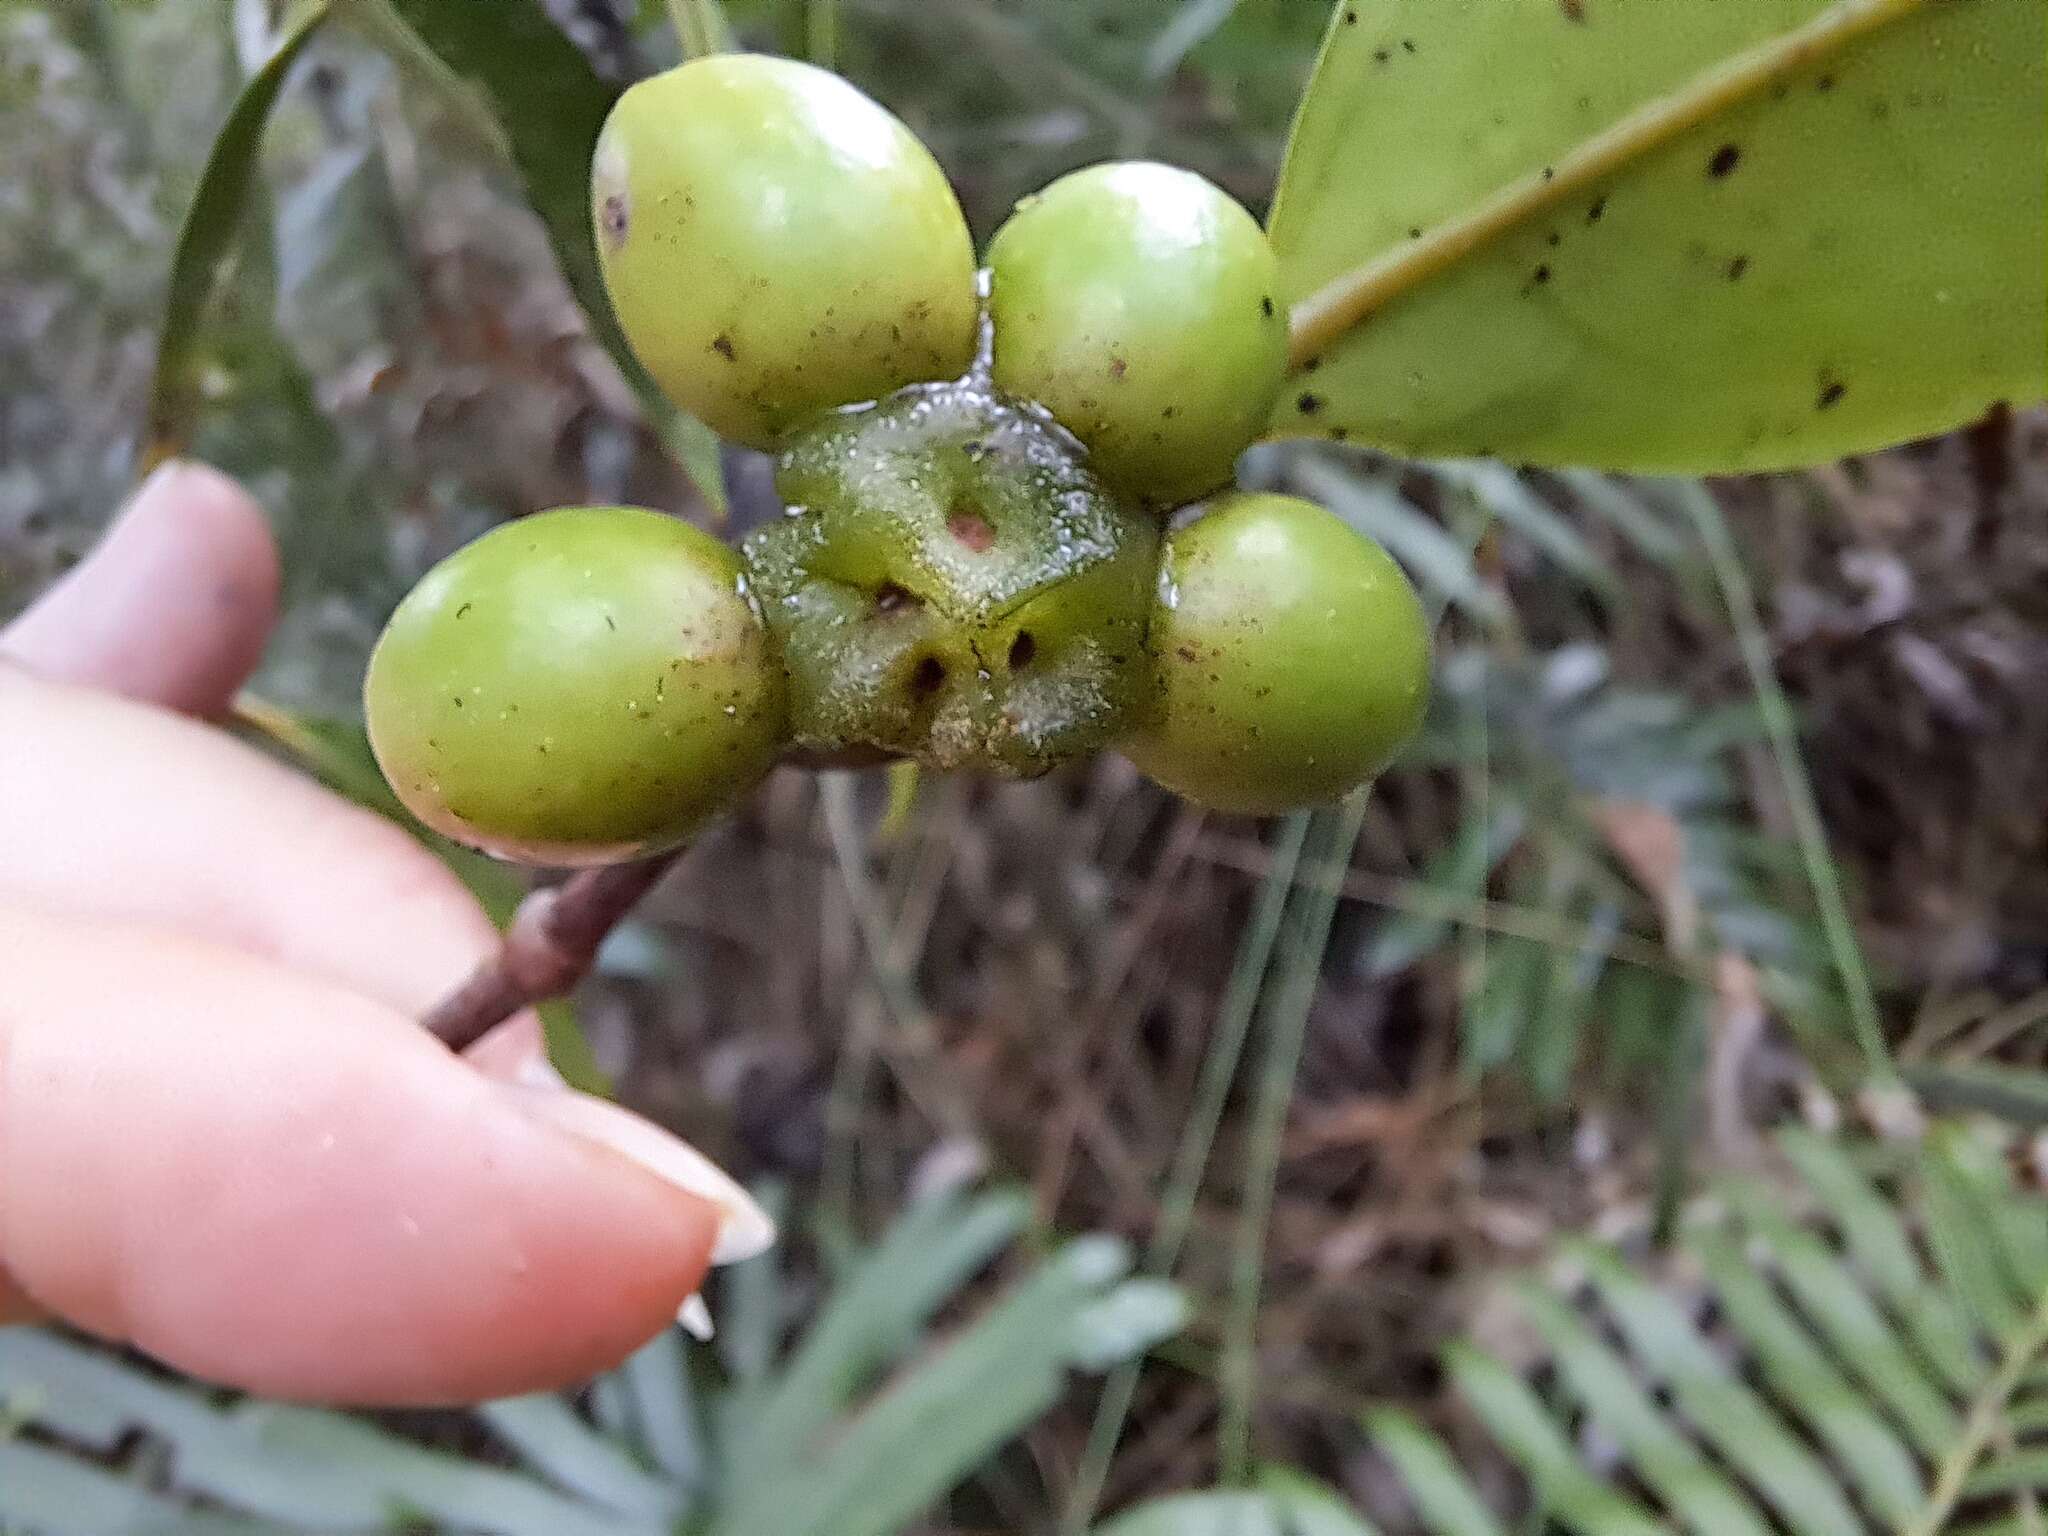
(608, 624)
(463, 611)
(1312, 365)
(1187, 653)
(1022, 650)
(1736, 268)
(1574, 10)
(1549, 171)
(1824, 83)
(1339, 434)
(1830, 395)
(1597, 211)
(1351, 18)
(458, 700)
(1266, 306)
(1381, 55)
(1542, 273)
(1414, 231)
(1725, 159)
(1308, 404)
(724, 348)
(1553, 239)
(1407, 45)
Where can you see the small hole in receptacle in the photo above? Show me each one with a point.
(972, 529)
(1023, 650)
(929, 676)
(889, 598)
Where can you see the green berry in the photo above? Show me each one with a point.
(1290, 659)
(776, 243)
(1137, 303)
(952, 584)
(577, 687)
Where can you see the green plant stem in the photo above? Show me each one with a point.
(933, 1092)
(1986, 1415)
(1285, 1021)
(700, 27)
(1782, 728)
(821, 33)
(1191, 1156)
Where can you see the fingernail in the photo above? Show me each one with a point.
(744, 1229)
(696, 1320)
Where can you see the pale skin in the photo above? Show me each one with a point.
(222, 1137)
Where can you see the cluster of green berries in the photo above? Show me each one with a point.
(980, 563)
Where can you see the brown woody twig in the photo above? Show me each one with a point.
(548, 948)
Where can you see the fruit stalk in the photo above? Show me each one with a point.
(548, 948)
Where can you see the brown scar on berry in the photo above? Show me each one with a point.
(972, 529)
(616, 215)
(724, 348)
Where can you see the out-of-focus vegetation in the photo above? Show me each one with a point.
(1329, 1075)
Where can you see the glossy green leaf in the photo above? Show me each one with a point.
(1722, 236)
(337, 753)
(548, 104)
(206, 242)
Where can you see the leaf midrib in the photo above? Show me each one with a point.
(1325, 316)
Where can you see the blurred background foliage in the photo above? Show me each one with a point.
(1573, 950)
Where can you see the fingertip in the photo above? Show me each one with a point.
(281, 1187)
(174, 604)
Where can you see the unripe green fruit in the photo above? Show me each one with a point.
(1290, 659)
(577, 687)
(951, 584)
(1137, 303)
(775, 243)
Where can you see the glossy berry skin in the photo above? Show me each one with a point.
(1136, 302)
(776, 243)
(577, 687)
(951, 584)
(1290, 659)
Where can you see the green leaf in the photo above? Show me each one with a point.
(1806, 1379)
(872, 1318)
(573, 1456)
(50, 1494)
(937, 1422)
(1749, 1434)
(1862, 1336)
(1292, 1507)
(1578, 1499)
(1670, 1464)
(549, 105)
(1448, 1504)
(314, 1471)
(206, 243)
(1723, 236)
(337, 753)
